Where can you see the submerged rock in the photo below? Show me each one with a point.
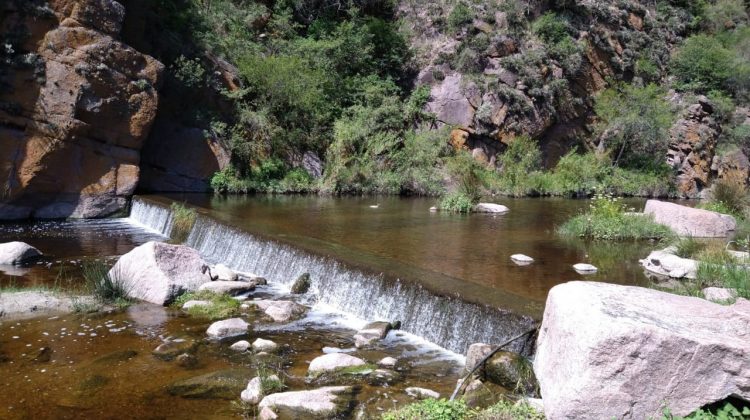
(227, 328)
(333, 362)
(665, 263)
(421, 393)
(224, 273)
(490, 208)
(372, 332)
(224, 287)
(322, 403)
(302, 284)
(689, 221)
(158, 273)
(281, 310)
(171, 349)
(632, 351)
(225, 384)
(15, 253)
(380, 377)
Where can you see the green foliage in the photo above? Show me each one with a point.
(726, 412)
(551, 28)
(607, 219)
(190, 72)
(634, 124)
(431, 409)
(460, 15)
(703, 64)
(521, 159)
(105, 287)
(725, 14)
(183, 219)
(689, 247)
(220, 306)
(730, 196)
(506, 410)
(468, 173)
(456, 202)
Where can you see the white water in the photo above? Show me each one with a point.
(445, 321)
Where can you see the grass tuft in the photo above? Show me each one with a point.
(221, 305)
(183, 221)
(105, 287)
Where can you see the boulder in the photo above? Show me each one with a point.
(240, 346)
(252, 278)
(302, 284)
(187, 361)
(583, 268)
(490, 208)
(261, 345)
(158, 273)
(227, 328)
(521, 259)
(225, 384)
(372, 332)
(15, 253)
(224, 273)
(610, 351)
(253, 393)
(322, 403)
(224, 287)
(193, 303)
(333, 362)
(281, 310)
(689, 221)
(31, 304)
(511, 371)
(719, 294)
(421, 393)
(665, 263)
(475, 354)
(388, 362)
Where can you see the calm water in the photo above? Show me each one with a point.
(402, 237)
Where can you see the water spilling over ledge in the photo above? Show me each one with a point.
(441, 309)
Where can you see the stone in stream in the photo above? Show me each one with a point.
(224, 384)
(253, 393)
(689, 221)
(187, 361)
(521, 259)
(322, 403)
(240, 346)
(15, 253)
(632, 351)
(224, 273)
(474, 355)
(115, 357)
(719, 294)
(171, 349)
(381, 377)
(511, 371)
(421, 393)
(261, 345)
(281, 310)
(302, 284)
(232, 288)
(158, 273)
(30, 304)
(194, 303)
(490, 208)
(227, 328)
(583, 268)
(333, 362)
(372, 332)
(665, 263)
(388, 362)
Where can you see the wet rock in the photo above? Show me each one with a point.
(261, 345)
(252, 278)
(281, 310)
(227, 328)
(482, 394)
(240, 346)
(372, 332)
(171, 349)
(187, 361)
(719, 294)
(302, 284)
(381, 377)
(665, 263)
(192, 303)
(91, 384)
(253, 393)
(689, 221)
(421, 393)
(474, 355)
(15, 253)
(634, 348)
(115, 357)
(521, 259)
(40, 355)
(224, 273)
(225, 384)
(20, 305)
(388, 362)
(232, 288)
(321, 403)
(158, 273)
(512, 372)
(490, 208)
(583, 268)
(333, 362)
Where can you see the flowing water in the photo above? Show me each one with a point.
(447, 278)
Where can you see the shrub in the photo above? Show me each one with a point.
(729, 196)
(468, 173)
(703, 64)
(183, 219)
(456, 202)
(431, 409)
(689, 247)
(104, 287)
(506, 410)
(460, 15)
(521, 159)
(725, 14)
(190, 72)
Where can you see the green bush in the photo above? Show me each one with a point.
(105, 287)
(460, 15)
(730, 196)
(457, 202)
(725, 412)
(517, 163)
(703, 64)
(725, 14)
(506, 410)
(431, 409)
(551, 28)
(689, 247)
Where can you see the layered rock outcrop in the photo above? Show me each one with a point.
(77, 105)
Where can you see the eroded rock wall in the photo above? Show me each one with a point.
(77, 105)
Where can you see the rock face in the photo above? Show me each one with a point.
(688, 221)
(14, 253)
(332, 362)
(692, 140)
(158, 273)
(79, 107)
(609, 351)
(665, 263)
(323, 403)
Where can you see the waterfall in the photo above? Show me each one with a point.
(152, 216)
(447, 321)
